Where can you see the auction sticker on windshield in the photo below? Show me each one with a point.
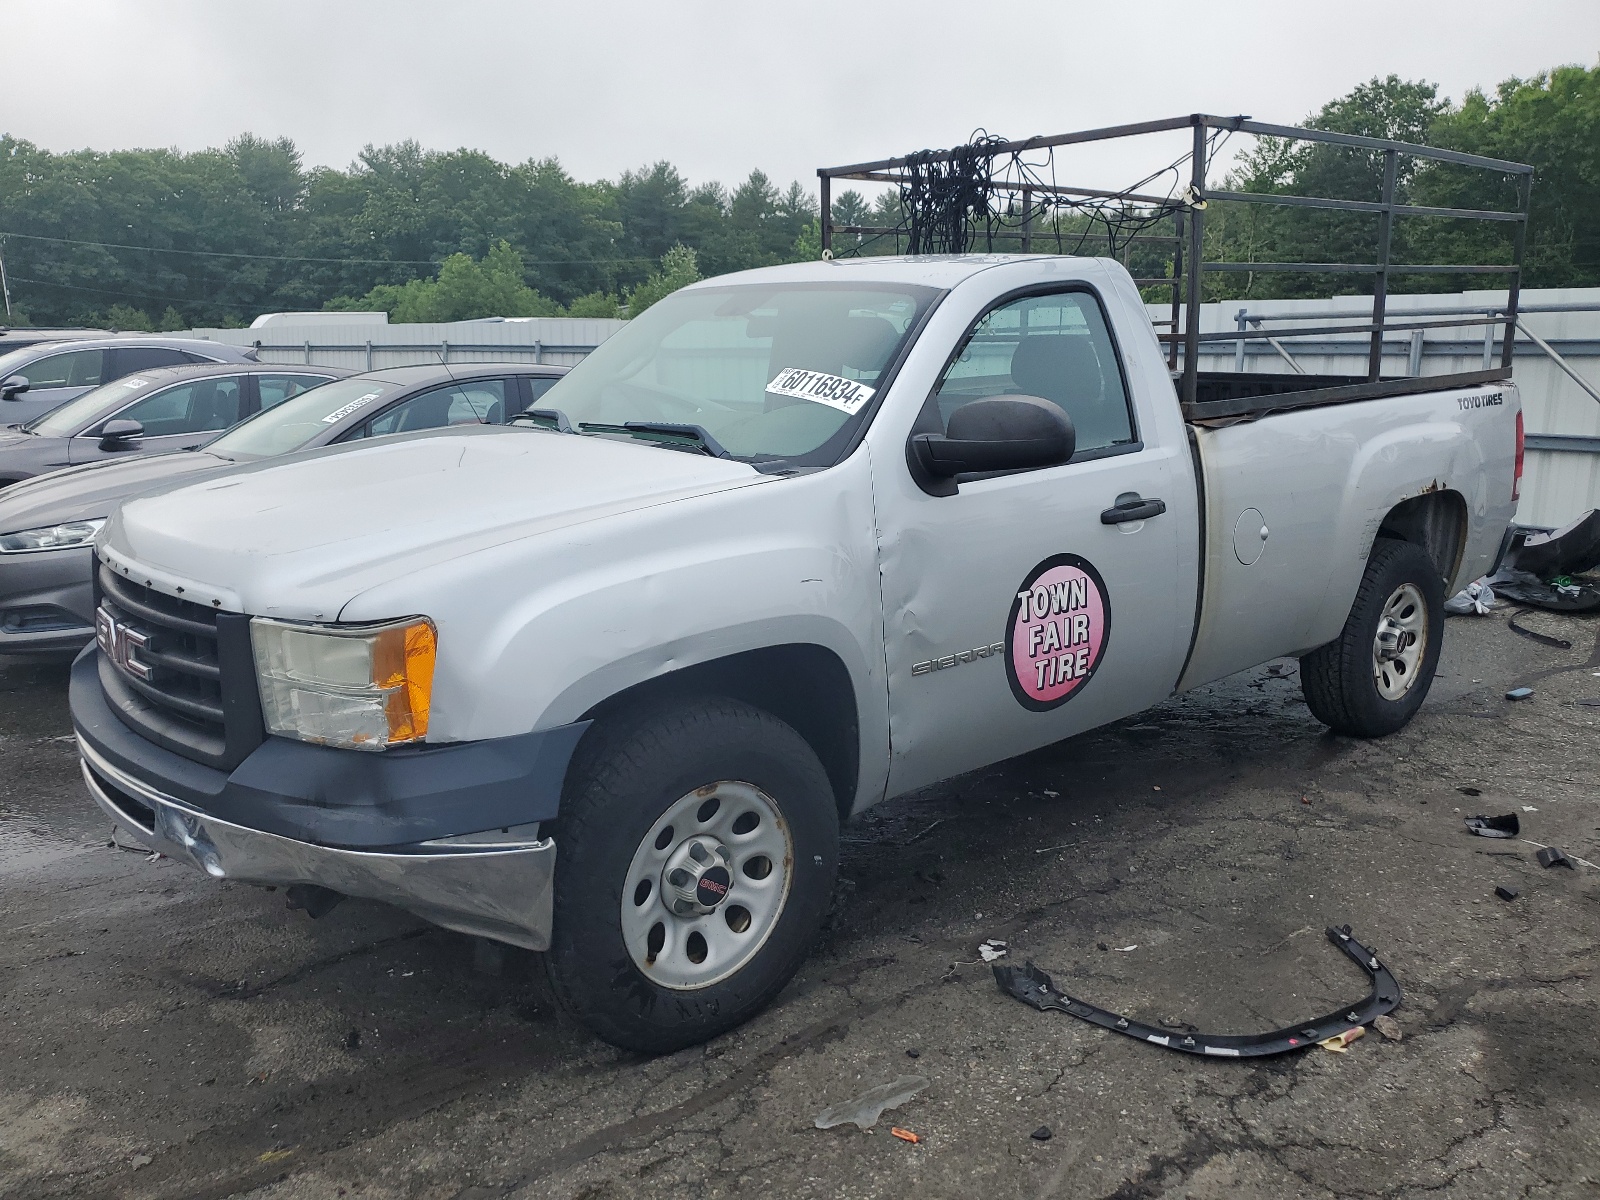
(833, 390)
(340, 414)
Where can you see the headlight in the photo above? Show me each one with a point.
(51, 537)
(362, 687)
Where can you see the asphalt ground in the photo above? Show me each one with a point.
(163, 1035)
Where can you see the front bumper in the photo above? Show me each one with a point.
(46, 601)
(501, 891)
(447, 832)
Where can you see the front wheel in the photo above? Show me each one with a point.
(1371, 679)
(696, 855)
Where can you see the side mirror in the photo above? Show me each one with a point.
(116, 435)
(1000, 433)
(13, 387)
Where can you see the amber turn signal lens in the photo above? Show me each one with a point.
(402, 667)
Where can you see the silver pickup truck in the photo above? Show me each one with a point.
(790, 543)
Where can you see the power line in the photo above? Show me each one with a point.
(395, 262)
(401, 262)
(72, 287)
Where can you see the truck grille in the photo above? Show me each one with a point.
(177, 672)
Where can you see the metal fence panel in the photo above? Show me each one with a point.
(359, 347)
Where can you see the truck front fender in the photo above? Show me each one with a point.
(539, 632)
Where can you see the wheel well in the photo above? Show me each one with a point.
(1436, 521)
(805, 686)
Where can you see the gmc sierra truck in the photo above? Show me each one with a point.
(792, 542)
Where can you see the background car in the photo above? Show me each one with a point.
(48, 524)
(172, 409)
(55, 372)
(15, 337)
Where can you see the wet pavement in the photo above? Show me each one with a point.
(163, 1035)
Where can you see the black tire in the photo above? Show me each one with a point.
(1338, 679)
(629, 770)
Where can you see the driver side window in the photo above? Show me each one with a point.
(202, 406)
(1056, 347)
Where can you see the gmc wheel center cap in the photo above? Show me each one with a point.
(697, 877)
(713, 886)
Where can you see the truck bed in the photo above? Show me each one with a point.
(1318, 482)
(1234, 394)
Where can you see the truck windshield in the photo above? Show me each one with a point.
(769, 371)
(290, 425)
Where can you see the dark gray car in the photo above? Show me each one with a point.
(37, 378)
(15, 337)
(48, 524)
(149, 413)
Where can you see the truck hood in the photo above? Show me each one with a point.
(91, 491)
(299, 536)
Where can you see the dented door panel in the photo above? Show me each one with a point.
(972, 679)
(1013, 616)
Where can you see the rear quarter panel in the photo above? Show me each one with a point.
(1323, 479)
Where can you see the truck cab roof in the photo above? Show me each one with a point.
(942, 271)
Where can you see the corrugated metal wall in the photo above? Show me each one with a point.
(563, 340)
(1562, 474)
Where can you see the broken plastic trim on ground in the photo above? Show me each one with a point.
(1560, 593)
(1537, 567)
(1570, 550)
(1507, 826)
(1033, 987)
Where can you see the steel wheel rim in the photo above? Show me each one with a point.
(686, 951)
(1400, 642)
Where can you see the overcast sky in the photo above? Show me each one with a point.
(720, 87)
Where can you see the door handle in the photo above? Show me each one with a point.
(1131, 506)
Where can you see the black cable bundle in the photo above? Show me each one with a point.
(945, 197)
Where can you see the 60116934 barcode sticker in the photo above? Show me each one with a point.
(835, 391)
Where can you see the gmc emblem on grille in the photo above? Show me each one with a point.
(121, 644)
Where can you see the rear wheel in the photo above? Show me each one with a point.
(696, 854)
(1372, 678)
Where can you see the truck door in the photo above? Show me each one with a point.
(1033, 605)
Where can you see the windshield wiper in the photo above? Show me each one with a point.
(547, 418)
(699, 435)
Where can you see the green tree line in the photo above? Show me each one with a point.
(165, 239)
(159, 238)
(1551, 122)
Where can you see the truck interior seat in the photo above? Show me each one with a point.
(1065, 369)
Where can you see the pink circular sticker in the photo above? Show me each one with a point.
(1060, 623)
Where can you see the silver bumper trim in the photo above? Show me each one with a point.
(500, 891)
